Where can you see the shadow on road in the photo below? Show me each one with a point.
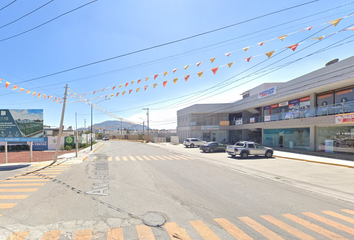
(13, 167)
(251, 158)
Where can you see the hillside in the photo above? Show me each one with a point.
(115, 124)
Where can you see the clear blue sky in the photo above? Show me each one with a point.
(108, 28)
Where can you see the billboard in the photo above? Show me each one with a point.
(21, 125)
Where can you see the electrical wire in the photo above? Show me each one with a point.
(8, 5)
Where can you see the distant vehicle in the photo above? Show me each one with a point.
(193, 142)
(105, 139)
(213, 147)
(244, 149)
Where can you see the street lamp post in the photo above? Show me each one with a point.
(147, 127)
(92, 117)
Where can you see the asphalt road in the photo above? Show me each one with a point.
(140, 191)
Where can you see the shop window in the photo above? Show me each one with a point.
(336, 139)
(294, 138)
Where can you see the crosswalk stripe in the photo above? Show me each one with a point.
(330, 222)
(260, 228)
(125, 158)
(204, 231)
(232, 229)
(183, 157)
(13, 196)
(51, 235)
(7, 205)
(29, 177)
(109, 158)
(146, 158)
(83, 235)
(29, 180)
(314, 227)
(117, 158)
(174, 157)
(168, 158)
(176, 232)
(18, 235)
(348, 211)
(340, 216)
(139, 158)
(145, 232)
(19, 190)
(152, 157)
(22, 184)
(188, 157)
(132, 158)
(288, 228)
(161, 158)
(115, 234)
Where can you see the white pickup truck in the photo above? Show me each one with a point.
(244, 149)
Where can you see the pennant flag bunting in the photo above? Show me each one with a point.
(308, 28)
(137, 89)
(198, 63)
(139, 81)
(186, 77)
(335, 22)
(105, 96)
(120, 85)
(352, 28)
(175, 80)
(227, 54)
(174, 70)
(230, 64)
(102, 90)
(246, 48)
(22, 89)
(94, 92)
(132, 82)
(282, 37)
(164, 83)
(200, 74)
(28, 91)
(248, 59)
(269, 54)
(130, 91)
(146, 87)
(215, 70)
(34, 93)
(154, 85)
(97, 91)
(185, 67)
(293, 47)
(261, 43)
(123, 93)
(164, 74)
(112, 88)
(319, 38)
(112, 95)
(126, 85)
(43, 96)
(117, 94)
(212, 60)
(53, 100)
(15, 87)
(7, 84)
(155, 76)
(39, 95)
(146, 79)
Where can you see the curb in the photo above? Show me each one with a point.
(311, 161)
(84, 158)
(98, 147)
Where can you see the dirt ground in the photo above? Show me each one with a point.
(24, 156)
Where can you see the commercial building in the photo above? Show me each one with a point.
(313, 112)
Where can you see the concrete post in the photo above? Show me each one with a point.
(5, 152)
(31, 151)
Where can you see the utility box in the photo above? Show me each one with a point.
(174, 140)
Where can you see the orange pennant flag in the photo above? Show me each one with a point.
(117, 94)
(185, 67)
(112, 95)
(154, 85)
(282, 37)
(28, 91)
(146, 79)
(186, 77)
(97, 91)
(43, 96)
(34, 93)
(7, 84)
(139, 81)
(137, 89)
(123, 93)
(246, 48)
(248, 59)
(198, 63)
(230, 64)
(319, 38)
(132, 82)
(175, 80)
(22, 89)
(146, 87)
(269, 54)
(227, 54)
(212, 60)
(39, 95)
(126, 85)
(120, 85)
(164, 74)
(215, 70)
(155, 76)
(174, 70)
(200, 74)
(335, 22)
(15, 87)
(164, 83)
(261, 43)
(293, 47)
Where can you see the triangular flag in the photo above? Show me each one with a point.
(319, 38)
(261, 43)
(137, 89)
(43, 96)
(102, 90)
(97, 91)
(308, 28)
(120, 85)
(155, 76)
(105, 96)
(246, 48)
(230, 64)
(126, 84)
(164, 74)
(186, 77)
(248, 59)
(15, 87)
(335, 22)
(146, 87)
(22, 89)
(175, 80)
(93, 92)
(130, 91)
(269, 54)
(282, 37)
(39, 95)
(293, 47)
(185, 67)
(200, 74)
(352, 28)
(7, 84)
(28, 91)
(132, 82)
(53, 100)
(49, 97)
(174, 70)
(212, 60)
(215, 70)
(146, 79)
(164, 83)
(112, 95)
(198, 63)
(139, 81)
(112, 88)
(123, 93)
(34, 93)
(154, 85)
(227, 54)
(117, 94)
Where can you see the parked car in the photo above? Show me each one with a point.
(193, 142)
(105, 139)
(213, 147)
(245, 148)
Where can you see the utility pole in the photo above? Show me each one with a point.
(91, 126)
(61, 125)
(77, 136)
(121, 127)
(143, 130)
(147, 114)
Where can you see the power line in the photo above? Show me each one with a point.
(8, 5)
(167, 43)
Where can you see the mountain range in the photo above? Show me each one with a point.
(115, 125)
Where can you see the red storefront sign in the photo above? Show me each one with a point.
(304, 99)
(344, 118)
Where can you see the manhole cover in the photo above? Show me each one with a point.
(154, 219)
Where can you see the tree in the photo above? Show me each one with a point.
(87, 132)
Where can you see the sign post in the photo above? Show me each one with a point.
(5, 152)
(31, 152)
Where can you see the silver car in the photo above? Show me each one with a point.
(193, 142)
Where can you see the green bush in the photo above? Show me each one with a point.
(68, 147)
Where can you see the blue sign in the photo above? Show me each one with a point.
(40, 146)
(268, 92)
